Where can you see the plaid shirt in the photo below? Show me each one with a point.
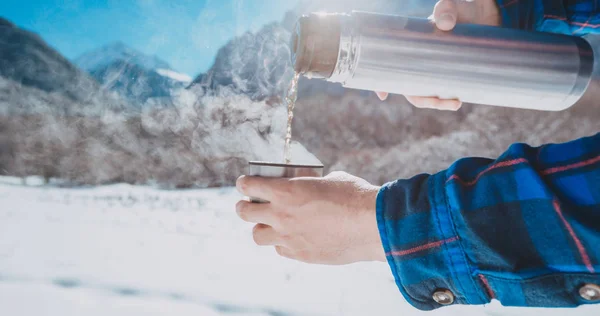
(524, 228)
(573, 17)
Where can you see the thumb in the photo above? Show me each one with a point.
(445, 15)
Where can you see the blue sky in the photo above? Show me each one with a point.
(185, 33)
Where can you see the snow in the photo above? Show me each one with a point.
(132, 250)
(174, 75)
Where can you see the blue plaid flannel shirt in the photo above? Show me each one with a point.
(523, 229)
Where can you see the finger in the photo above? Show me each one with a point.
(265, 235)
(263, 188)
(382, 95)
(445, 15)
(435, 103)
(256, 212)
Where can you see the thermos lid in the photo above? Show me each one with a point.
(315, 44)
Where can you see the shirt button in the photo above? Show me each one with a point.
(443, 297)
(590, 292)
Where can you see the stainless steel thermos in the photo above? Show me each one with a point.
(473, 63)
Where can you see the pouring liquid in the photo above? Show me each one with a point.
(292, 96)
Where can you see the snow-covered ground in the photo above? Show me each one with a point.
(126, 250)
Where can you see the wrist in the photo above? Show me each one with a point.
(377, 252)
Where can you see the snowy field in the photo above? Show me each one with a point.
(125, 250)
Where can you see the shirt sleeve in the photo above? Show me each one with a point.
(571, 17)
(523, 229)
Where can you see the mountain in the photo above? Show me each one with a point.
(254, 64)
(57, 121)
(118, 51)
(132, 74)
(48, 106)
(35, 77)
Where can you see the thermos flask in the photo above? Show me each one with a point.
(474, 63)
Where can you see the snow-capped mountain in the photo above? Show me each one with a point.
(254, 64)
(54, 121)
(131, 73)
(118, 51)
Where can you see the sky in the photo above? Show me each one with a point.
(185, 33)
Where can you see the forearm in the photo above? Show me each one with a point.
(512, 228)
(571, 17)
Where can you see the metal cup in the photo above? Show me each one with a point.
(281, 170)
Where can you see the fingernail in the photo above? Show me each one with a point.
(238, 184)
(452, 108)
(446, 18)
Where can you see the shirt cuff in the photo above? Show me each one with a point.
(524, 15)
(541, 16)
(422, 247)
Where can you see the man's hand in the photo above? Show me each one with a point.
(446, 14)
(329, 220)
